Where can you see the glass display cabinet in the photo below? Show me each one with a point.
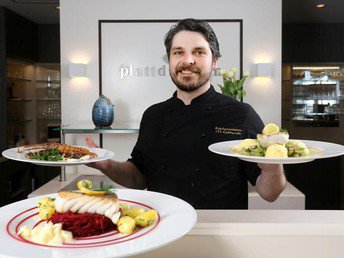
(20, 102)
(317, 92)
(48, 101)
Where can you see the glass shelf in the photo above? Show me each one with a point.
(19, 79)
(49, 119)
(313, 98)
(48, 99)
(316, 114)
(19, 121)
(19, 100)
(51, 81)
(89, 127)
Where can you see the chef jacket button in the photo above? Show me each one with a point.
(164, 135)
(197, 170)
(192, 184)
(163, 166)
(209, 108)
(169, 110)
(203, 134)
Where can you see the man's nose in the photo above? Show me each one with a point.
(189, 58)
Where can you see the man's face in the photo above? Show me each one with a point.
(191, 61)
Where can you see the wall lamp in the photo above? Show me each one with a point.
(77, 70)
(263, 70)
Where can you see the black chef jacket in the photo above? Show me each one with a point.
(172, 150)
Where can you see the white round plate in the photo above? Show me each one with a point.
(176, 218)
(324, 150)
(102, 154)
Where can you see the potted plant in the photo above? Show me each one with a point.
(232, 86)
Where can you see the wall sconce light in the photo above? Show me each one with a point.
(77, 70)
(263, 70)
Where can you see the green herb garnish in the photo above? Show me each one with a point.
(49, 155)
(105, 188)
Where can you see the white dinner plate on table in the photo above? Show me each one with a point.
(102, 154)
(319, 150)
(176, 218)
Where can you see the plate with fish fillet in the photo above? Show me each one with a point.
(273, 146)
(239, 149)
(57, 154)
(121, 222)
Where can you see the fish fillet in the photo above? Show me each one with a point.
(267, 140)
(107, 205)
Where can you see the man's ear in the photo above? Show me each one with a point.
(215, 63)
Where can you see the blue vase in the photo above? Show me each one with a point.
(102, 112)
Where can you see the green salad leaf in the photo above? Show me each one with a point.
(49, 155)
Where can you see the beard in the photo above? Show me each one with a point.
(190, 83)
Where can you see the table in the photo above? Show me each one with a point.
(289, 199)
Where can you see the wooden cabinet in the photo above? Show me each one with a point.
(15, 181)
(313, 43)
(19, 179)
(21, 36)
(319, 181)
(49, 43)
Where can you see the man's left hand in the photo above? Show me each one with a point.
(271, 181)
(270, 169)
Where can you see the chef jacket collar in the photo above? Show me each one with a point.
(199, 99)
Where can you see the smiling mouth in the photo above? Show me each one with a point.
(188, 72)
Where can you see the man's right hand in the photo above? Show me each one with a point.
(123, 173)
(101, 165)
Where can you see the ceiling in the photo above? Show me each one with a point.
(294, 11)
(304, 11)
(38, 11)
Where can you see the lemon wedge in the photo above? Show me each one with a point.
(270, 129)
(85, 186)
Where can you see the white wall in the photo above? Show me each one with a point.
(262, 23)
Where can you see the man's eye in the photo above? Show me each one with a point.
(177, 52)
(200, 52)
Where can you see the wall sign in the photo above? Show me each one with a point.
(133, 66)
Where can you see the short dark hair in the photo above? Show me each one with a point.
(196, 25)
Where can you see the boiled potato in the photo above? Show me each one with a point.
(124, 205)
(133, 212)
(46, 202)
(46, 213)
(46, 207)
(147, 218)
(126, 225)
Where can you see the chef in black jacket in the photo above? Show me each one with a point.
(171, 154)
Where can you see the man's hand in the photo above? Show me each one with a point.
(271, 181)
(90, 143)
(123, 173)
(270, 169)
(101, 165)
